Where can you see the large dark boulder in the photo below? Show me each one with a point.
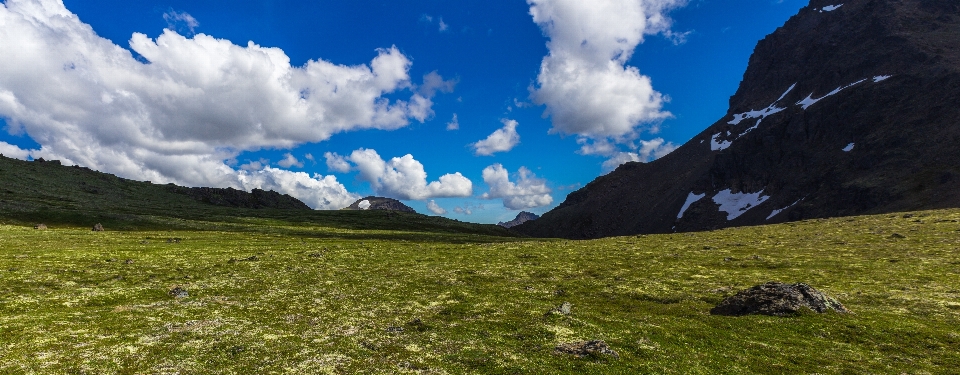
(777, 299)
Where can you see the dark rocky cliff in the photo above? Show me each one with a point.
(842, 111)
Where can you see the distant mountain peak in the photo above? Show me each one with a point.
(521, 218)
(379, 203)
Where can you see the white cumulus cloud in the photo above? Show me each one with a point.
(527, 192)
(405, 178)
(319, 192)
(435, 208)
(502, 140)
(194, 103)
(454, 123)
(181, 21)
(647, 151)
(584, 82)
(290, 161)
(336, 162)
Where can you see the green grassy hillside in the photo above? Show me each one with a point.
(56, 195)
(276, 296)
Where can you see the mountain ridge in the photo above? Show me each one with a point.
(840, 112)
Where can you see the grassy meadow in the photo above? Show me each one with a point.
(271, 296)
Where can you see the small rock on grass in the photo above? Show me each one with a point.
(98, 227)
(40, 226)
(563, 309)
(580, 349)
(179, 292)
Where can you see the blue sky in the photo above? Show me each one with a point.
(482, 61)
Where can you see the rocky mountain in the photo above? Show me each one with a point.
(521, 218)
(847, 109)
(380, 203)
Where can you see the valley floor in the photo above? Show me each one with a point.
(269, 298)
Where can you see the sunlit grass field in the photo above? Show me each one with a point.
(285, 297)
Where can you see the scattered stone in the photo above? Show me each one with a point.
(418, 325)
(897, 235)
(40, 226)
(173, 240)
(593, 348)
(563, 309)
(777, 299)
(145, 242)
(128, 261)
(315, 255)
(560, 292)
(179, 292)
(394, 329)
(252, 258)
(98, 227)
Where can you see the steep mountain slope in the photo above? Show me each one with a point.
(845, 110)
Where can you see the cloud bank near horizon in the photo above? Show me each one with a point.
(182, 108)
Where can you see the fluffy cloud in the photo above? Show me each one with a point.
(290, 161)
(528, 192)
(405, 177)
(584, 82)
(454, 123)
(337, 163)
(181, 21)
(435, 208)
(648, 151)
(199, 101)
(502, 140)
(655, 149)
(320, 192)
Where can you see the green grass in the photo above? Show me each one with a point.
(337, 298)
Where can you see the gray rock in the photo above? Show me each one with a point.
(179, 292)
(564, 309)
(40, 226)
(777, 299)
(595, 348)
(98, 227)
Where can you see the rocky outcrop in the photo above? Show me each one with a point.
(777, 299)
(521, 218)
(847, 110)
(380, 203)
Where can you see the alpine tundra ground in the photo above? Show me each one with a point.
(268, 296)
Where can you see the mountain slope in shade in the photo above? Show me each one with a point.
(845, 110)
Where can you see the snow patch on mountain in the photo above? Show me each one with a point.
(736, 204)
(809, 101)
(716, 145)
(691, 199)
(777, 212)
(849, 147)
(830, 8)
(763, 113)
